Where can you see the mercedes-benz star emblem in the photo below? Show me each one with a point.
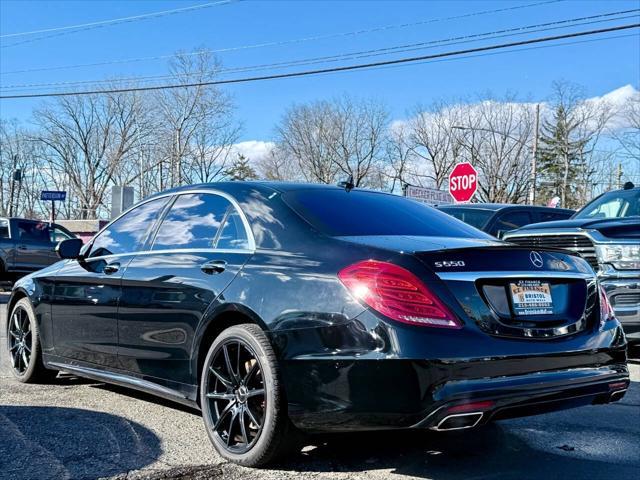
(536, 259)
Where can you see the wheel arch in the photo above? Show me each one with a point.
(216, 322)
(17, 295)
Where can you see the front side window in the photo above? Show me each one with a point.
(193, 221)
(128, 233)
(58, 235)
(34, 232)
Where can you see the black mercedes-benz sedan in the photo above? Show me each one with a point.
(279, 308)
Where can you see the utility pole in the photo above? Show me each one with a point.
(534, 159)
(619, 183)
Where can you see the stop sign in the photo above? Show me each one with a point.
(463, 182)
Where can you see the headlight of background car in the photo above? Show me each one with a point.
(621, 256)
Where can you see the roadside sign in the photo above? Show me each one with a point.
(53, 195)
(463, 182)
(432, 196)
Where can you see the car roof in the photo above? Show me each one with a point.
(264, 185)
(502, 206)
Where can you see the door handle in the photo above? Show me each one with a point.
(111, 268)
(215, 266)
(22, 247)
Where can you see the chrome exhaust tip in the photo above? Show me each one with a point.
(617, 395)
(458, 421)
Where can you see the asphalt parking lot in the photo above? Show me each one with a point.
(84, 429)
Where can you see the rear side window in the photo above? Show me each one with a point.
(473, 216)
(551, 216)
(512, 220)
(193, 221)
(233, 234)
(129, 232)
(337, 212)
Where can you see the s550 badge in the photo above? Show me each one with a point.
(449, 263)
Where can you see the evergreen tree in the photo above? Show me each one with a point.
(241, 170)
(561, 158)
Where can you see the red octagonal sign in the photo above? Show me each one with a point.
(463, 182)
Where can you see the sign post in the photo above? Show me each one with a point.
(463, 182)
(53, 196)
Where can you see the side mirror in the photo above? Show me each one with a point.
(69, 248)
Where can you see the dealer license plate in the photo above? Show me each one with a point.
(531, 297)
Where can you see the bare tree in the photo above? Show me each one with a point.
(435, 140)
(501, 145)
(18, 153)
(332, 140)
(87, 139)
(196, 123)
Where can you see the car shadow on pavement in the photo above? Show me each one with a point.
(53, 442)
(491, 452)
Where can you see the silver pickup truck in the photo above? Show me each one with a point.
(28, 245)
(606, 232)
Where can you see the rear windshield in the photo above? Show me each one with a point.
(357, 213)
(472, 216)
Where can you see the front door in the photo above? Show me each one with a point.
(199, 248)
(33, 247)
(87, 291)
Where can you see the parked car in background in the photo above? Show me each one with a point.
(275, 307)
(498, 218)
(28, 245)
(606, 232)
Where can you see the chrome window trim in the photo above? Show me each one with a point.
(250, 238)
(175, 250)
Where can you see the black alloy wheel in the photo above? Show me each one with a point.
(242, 403)
(20, 337)
(23, 345)
(237, 396)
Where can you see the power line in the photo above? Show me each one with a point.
(330, 70)
(521, 30)
(103, 23)
(291, 41)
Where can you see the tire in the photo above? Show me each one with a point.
(23, 346)
(245, 427)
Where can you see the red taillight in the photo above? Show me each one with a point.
(396, 293)
(606, 311)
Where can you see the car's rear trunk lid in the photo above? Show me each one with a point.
(518, 292)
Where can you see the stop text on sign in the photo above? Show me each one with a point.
(463, 182)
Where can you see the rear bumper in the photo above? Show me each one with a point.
(494, 399)
(387, 394)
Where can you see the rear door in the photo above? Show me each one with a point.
(87, 291)
(200, 246)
